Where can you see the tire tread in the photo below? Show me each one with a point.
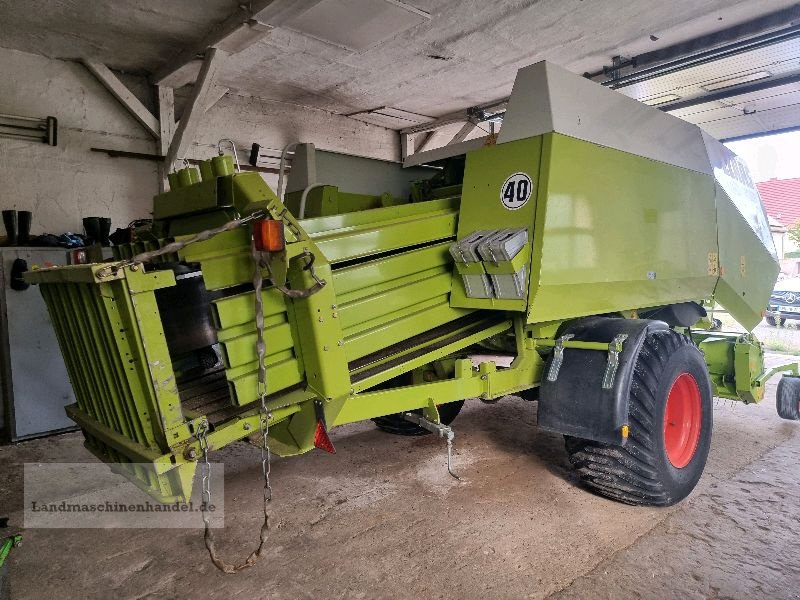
(787, 398)
(629, 473)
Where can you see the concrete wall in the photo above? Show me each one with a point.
(272, 124)
(63, 184)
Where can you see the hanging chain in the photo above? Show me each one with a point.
(261, 351)
(266, 456)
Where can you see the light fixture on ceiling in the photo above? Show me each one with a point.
(726, 83)
(355, 24)
(663, 99)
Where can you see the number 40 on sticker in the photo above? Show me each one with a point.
(516, 191)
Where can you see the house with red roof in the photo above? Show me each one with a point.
(781, 198)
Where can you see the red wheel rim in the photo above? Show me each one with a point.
(683, 418)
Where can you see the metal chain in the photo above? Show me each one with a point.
(180, 245)
(266, 456)
(261, 351)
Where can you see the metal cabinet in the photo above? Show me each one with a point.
(33, 379)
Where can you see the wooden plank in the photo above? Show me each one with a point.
(462, 134)
(118, 89)
(406, 145)
(195, 108)
(434, 139)
(166, 119)
(176, 73)
(214, 95)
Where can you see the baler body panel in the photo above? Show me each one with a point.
(748, 262)
(615, 232)
(634, 208)
(481, 207)
(609, 229)
(128, 404)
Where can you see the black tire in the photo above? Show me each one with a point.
(771, 321)
(641, 472)
(787, 399)
(397, 425)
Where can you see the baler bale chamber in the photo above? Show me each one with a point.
(553, 264)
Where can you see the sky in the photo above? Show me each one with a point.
(771, 157)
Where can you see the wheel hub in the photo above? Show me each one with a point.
(683, 417)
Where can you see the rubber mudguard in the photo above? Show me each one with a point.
(575, 403)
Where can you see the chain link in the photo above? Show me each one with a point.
(261, 350)
(205, 468)
(266, 456)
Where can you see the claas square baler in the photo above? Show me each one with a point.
(571, 261)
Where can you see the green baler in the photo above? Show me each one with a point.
(571, 264)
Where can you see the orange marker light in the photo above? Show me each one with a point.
(268, 235)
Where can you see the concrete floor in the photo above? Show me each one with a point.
(382, 519)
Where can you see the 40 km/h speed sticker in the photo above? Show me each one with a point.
(516, 191)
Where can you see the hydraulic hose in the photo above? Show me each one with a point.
(301, 212)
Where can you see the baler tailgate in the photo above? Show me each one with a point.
(127, 402)
(106, 391)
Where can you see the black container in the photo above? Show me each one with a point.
(24, 219)
(10, 223)
(105, 229)
(91, 226)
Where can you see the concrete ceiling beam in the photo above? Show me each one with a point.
(121, 92)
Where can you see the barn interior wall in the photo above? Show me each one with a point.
(62, 184)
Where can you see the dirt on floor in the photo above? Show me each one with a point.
(382, 519)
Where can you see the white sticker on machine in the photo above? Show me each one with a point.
(516, 191)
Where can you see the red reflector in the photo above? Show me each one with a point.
(268, 235)
(321, 439)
